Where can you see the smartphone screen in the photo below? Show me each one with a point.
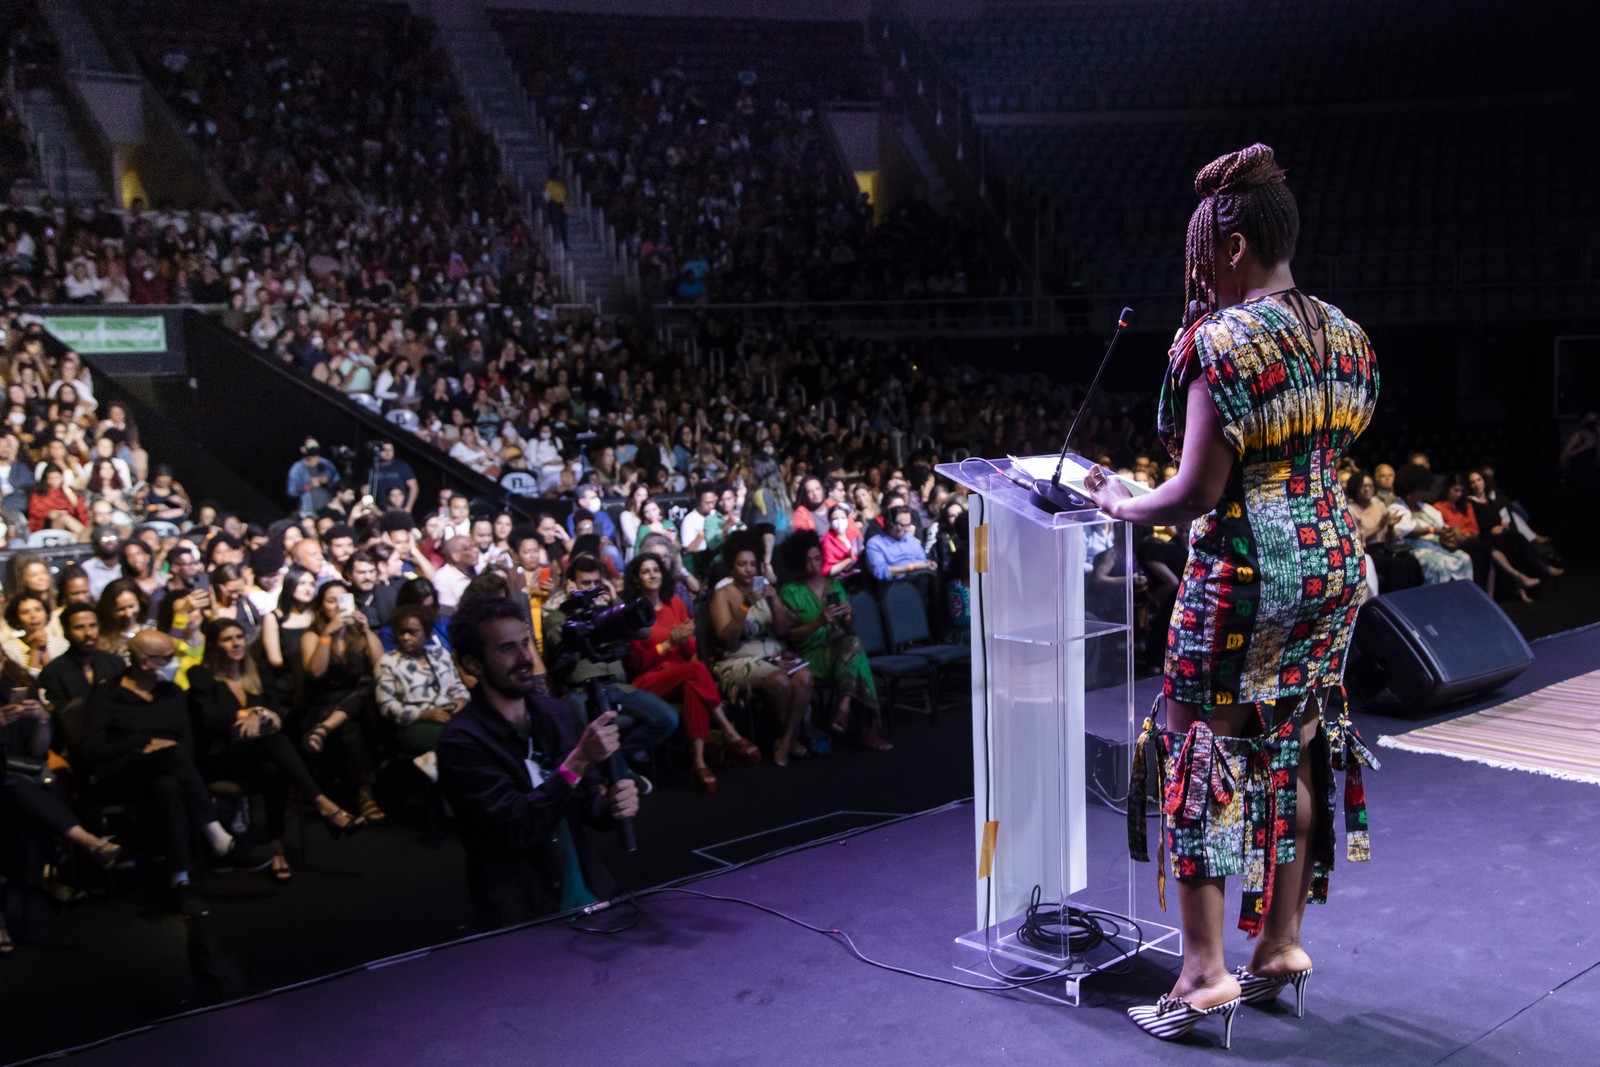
(835, 598)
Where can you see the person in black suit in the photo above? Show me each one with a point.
(74, 674)
(523, 775)
(140, 749)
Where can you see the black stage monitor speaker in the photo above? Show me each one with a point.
(1419, 649)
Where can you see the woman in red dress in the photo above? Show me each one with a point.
(53, 505)
(664, 664)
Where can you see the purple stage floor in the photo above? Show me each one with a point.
(1469, 939)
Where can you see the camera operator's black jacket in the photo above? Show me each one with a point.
(515, 863)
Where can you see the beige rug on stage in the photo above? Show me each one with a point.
(1555, 731)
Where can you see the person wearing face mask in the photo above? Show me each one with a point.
(138, 749)
(589, 503)
(841, 546)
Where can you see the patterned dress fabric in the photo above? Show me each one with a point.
(1275, 571)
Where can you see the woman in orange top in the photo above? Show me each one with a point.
(53, 504)
(1458, 514)
(664, 664)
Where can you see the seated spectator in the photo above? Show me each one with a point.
(524, 777)
(820, 631)
(952, 565)
(25, 735)
(55, 505)
(30, 641)
(418, 591)
(727, 519)
(664, 663)
(899, 555)
(1501, 519)
(1461, 517)
(1421, 527)
(140, 750)
(241, 737)
(123, 611)
(630, 520)
(374, 598)
(841, 551)
(72, 587)
(1390, 564)
(812, 511)
(643, 719)
(750, 623)
(164, 498)
(340, 655)
(461, 564)
(652, 520)
(419, 688)
(83, 665)
(105, 565)
(229, 599)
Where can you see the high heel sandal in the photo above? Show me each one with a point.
(6, 945)
(368, 808)
(742, 751)
(342, 824)
(280, 868)
(1254, 989)
(106, 852)
(1171, 1017)
(316, 738)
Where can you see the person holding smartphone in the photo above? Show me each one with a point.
(821, 632)
(340, 654)
(750, 622)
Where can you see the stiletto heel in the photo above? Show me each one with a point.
(1254, 989)
(1170, 1018)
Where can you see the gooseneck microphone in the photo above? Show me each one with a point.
(1052, 496)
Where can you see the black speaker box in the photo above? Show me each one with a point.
(1419, 649)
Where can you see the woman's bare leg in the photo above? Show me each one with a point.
(1205, 980)
(1278, 950)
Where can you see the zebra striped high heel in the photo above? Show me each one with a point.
(1170, 1018)
(1254, 989)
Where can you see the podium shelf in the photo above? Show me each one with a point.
(1072, 632)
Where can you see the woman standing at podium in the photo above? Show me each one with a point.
(1266, 389)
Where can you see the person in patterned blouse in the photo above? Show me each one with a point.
(1266, 389)
(419, 688)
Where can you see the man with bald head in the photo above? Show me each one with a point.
(1383, 478)
(308, 553)
(139, 750)
(460, 564)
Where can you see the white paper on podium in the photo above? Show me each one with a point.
(1043, 468)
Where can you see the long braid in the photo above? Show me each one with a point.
(1242, 192)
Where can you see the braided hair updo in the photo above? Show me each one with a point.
(1242, 192)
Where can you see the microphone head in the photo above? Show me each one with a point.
(1124, 319)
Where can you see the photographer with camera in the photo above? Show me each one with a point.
(523, 776)
(586, 637)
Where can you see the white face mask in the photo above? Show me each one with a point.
(841, 525)
(168, 672)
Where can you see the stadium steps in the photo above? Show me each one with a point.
(489, 81)
(65, 168)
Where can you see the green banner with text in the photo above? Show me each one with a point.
(103, 334)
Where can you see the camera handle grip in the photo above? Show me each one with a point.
(616, 767)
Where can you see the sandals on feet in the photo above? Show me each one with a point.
(368, 807)
(280, 868)
(342, 824)
(316, 738)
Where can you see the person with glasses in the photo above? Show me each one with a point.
(900, 555)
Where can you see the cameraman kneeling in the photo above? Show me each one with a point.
(524, 776)
(645, 719)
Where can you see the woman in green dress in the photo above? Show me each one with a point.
(820, 631)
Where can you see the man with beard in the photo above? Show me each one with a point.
(523, 776)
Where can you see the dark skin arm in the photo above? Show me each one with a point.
(1208, 459)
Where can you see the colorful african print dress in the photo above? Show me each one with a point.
(1275, 571)
(1268, 601)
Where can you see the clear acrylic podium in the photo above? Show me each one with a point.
(1053, 725)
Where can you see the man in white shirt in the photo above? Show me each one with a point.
(451, 580)
(692, 531)
(458, 517)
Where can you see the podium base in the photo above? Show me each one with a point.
(997, 954)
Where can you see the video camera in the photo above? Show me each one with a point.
(597, 632)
